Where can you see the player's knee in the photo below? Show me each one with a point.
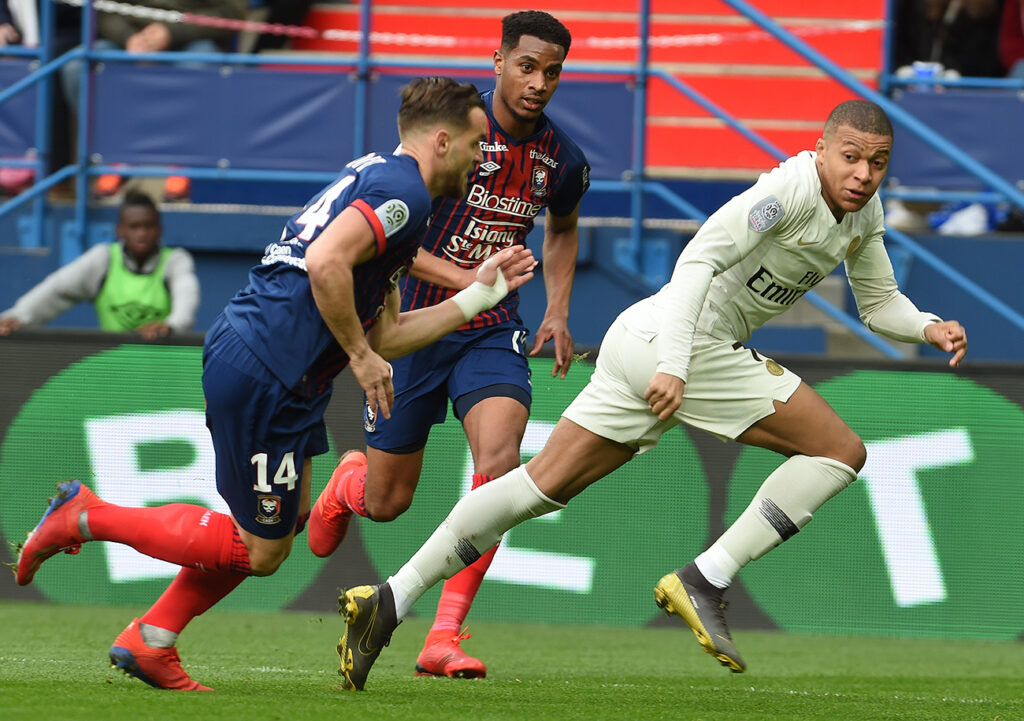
(853, 453)
(265, 560)
(389, 508)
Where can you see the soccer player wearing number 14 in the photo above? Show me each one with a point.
(324, 296)
(531, 165)
(678, 357)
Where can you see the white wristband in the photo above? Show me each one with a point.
(480, 296)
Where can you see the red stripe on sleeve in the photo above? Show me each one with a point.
(378, 228)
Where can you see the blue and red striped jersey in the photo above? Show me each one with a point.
(276, 315)
(515, 182)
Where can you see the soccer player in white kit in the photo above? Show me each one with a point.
(677, 356)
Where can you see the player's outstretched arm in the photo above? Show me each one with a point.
(948, 336)
(400, 333)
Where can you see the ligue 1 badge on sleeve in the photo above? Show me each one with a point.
(766, 214)
(539, 181)
(269, 510)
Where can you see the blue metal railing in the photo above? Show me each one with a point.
(636, 185)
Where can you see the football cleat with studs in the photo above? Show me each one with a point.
(444, 657)
(329, 517)
(687, 594)
(57, 530)
(159, 667)
(370, 619)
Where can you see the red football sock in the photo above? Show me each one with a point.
(190, 536)
(458, 592)
(190, 594)
(352, 489)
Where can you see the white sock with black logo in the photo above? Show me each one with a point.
(785, 503)
(475, 524)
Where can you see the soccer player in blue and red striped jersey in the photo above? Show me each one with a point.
(530, 165)
(324, 296)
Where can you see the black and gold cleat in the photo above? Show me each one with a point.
(687, 594)
(370, 619)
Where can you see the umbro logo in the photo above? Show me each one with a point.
(488, 168)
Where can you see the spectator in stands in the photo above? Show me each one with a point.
(9, 34)
(959, 34)
(135, 284)
(140, 34)
(1011, 38)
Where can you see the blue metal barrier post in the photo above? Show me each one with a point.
(362, 79)
(76, 245)
(43, 116)
(640, 135)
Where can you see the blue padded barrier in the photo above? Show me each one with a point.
(17, 115)
(987, 124)
(243, 117)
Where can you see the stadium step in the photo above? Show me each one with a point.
(703, 43)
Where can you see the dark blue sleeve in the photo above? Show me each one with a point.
(574, 184)
(390, 191)
(5, 13)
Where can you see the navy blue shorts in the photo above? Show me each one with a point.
(262, 434)
(464, 367)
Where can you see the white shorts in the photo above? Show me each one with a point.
(729, 388)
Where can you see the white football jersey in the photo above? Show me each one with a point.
(758, 255)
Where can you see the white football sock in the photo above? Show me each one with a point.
(475, 524)
(717, 566)
(783, 505)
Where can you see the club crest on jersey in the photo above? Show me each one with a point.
(488, 168)
(539, 181)
(369, 419)
(766, 214)
(269, 510)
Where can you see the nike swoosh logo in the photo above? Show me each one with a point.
(364, 647)
(801, 242)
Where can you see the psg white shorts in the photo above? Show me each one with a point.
(730, 387)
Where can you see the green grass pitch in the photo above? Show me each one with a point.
(282, 666)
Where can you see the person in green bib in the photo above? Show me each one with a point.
(135, 284)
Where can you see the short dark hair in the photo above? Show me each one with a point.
(437, 99)
(861, 115)
(536, 23)
(137, 199)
